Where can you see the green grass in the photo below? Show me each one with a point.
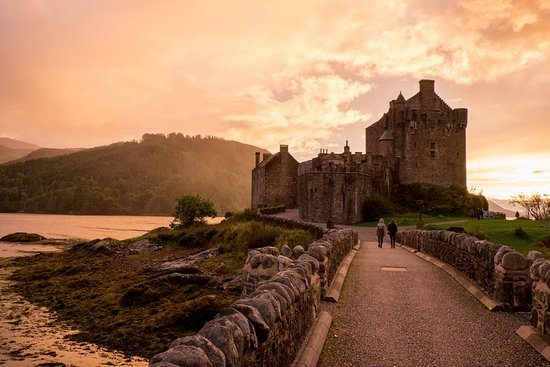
(411, 219)
(118, 301)
(504, 232)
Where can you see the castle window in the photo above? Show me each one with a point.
(432, 150)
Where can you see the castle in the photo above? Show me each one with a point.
(420, 139)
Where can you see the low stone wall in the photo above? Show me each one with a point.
(540, 274)
(500, 271)
(268, 326)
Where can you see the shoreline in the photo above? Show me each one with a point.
(30, 334)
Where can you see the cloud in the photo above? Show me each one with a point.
(304, 73)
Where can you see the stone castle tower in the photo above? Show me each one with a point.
(427, 137)
(419, 140)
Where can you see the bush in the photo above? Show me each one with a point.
(457, 229)
(376, 207)
(519, 232)
(247, 235)
(434, 199)
(544, 242)
(191, 209)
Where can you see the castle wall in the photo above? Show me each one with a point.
(433, 152)
(337, 196)
(258, 187)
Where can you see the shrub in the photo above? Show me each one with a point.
(375, 207)
(544, 242)
(457, 229)
(434, 199)
(519, 232)
(191, 209)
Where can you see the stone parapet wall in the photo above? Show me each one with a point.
(502, 272)
(268, 326)
(540, 275)
(473, 257)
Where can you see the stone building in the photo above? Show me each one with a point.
(420, 139)
(274, 180)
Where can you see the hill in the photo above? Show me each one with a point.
(133, 177)
(11, 149)
(494, 207)
(44, 153)
(17, 144)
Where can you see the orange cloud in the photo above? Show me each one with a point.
(309, 74)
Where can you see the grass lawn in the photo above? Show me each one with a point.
(504, 232)
(411, 219)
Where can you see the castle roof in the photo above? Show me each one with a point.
(400, 98)
(267, 160)
(386, 135)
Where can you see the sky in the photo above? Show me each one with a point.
(310, 74)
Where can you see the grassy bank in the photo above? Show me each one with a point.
(522, 235)
(412, 219)
(139, 302)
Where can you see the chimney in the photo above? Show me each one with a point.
(427, 86)
(427, 94)
(266, 155)
(283, 148)
(257, 158)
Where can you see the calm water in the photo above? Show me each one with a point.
(80, 226)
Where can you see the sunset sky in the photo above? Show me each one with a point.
(310, 74)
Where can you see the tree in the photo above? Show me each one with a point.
(191, 209)
(536, 206)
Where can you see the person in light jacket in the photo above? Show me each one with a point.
(380, 232)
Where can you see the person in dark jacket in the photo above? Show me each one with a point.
(392, 230)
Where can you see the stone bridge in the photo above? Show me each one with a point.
(438, 299)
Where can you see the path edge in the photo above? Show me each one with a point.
(313, 346)
(535, 340)
(490, 303)
(333, 295)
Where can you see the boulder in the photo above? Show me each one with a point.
(143, 247)
(515, 261)
(286, 251)
(228, 337)
(22, 237)
(535, 255)
(181, 355)
(215, 355)
(297, 251)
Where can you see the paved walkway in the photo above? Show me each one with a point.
(417, 317)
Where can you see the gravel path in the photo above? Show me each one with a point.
(420, 317)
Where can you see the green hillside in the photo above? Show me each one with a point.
(133, 177)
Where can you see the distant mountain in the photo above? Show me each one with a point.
(11, 149)
(494, 207)
(17, 144)
(44, 153)
(133, 177)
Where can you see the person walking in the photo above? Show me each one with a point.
(380, 231)
(392, 230)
